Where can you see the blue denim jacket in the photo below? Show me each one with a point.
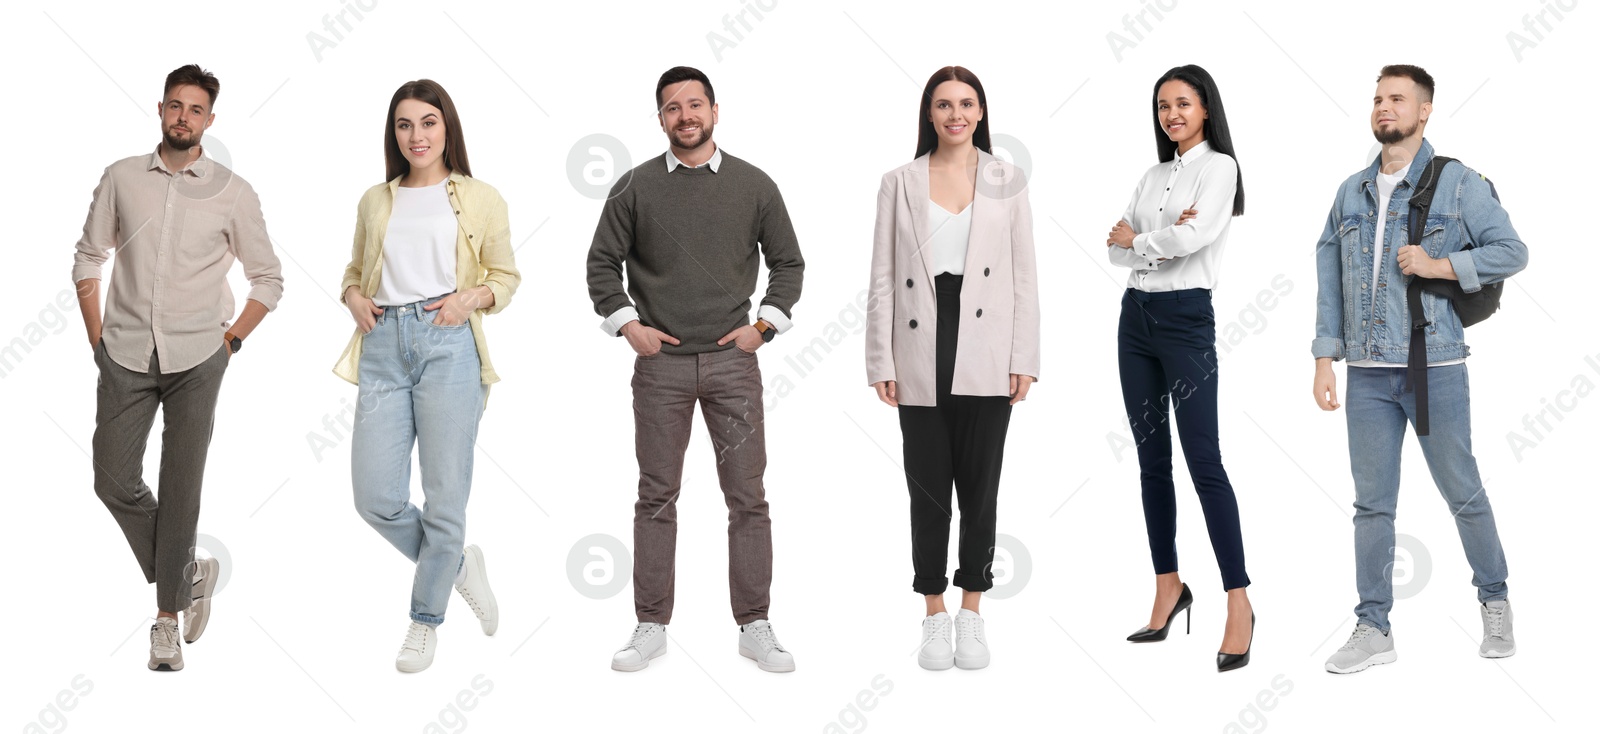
(1463, 211)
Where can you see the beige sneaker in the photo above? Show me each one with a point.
(166, 653)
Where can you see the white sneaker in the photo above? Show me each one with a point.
(1497, 639)
(474, 589)
(206, 571)
(1365, 648)
(417, 653)
(166, 653)
(758, 642)
(972, 647)
(649, 641)
(937, 651)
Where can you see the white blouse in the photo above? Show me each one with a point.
(419, 247)
(949, 238)
(1203, 178)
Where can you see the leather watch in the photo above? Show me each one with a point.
(234, 343)
(768, 331)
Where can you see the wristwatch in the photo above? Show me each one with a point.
(234, 343)
(768, 331)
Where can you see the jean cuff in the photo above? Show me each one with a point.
(974, 582)
(930, 585)
(427, 619)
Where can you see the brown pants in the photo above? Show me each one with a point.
(727, 384)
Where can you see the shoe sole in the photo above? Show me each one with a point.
(972, 663)
(769, 667)
(936, 663)
(1493, 654)
(491, 624)
(202, 603)
(641, 666)
(402, 667)
(167, 667)
(1377, 659)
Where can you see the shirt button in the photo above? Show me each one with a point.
(1364, 249)
(913, 323)
(1363, 286)
(908, 282)
(980, 313)
(985, 272)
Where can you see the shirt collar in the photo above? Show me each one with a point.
(714, 163)
(200, 168)
(1194, 154)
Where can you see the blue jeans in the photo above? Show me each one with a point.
(1378, 405)
(419, 384)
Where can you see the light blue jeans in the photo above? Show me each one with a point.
(419, 384)
(1377, 407)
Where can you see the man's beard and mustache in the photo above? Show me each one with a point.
(170, 136)
(1394, 134)
(703, 138)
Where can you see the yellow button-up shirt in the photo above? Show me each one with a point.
(483, 257)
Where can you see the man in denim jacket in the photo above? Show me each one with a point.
(1364, 263)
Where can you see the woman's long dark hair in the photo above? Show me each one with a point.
(455, 143)
(927, 136)
(1215, 128)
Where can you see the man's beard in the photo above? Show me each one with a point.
(179, 144)
(1394, 134)
(705, 137)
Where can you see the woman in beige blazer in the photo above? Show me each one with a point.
(953, 343)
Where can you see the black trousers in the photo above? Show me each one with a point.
(961, 440)
(1166, 353)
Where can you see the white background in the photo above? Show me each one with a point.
(822, 97)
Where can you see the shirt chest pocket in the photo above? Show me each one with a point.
(1350, 235)
(201, 238)
(1433, 237)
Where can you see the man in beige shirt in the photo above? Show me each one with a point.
(177, 221)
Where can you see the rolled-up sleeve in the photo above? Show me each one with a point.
(247, 233)
(99, 231)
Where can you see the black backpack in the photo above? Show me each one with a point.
(1471, 308)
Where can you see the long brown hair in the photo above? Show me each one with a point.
(927, 136)
(455, 143)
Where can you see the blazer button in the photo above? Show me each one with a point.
(469, 236)
(980, 313)
(908, 282)
(913, 323)
(458, 211)
(985, 272)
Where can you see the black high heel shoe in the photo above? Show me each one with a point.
(1145, 634)
(1227, 661)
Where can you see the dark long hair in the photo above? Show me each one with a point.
(455, 143)
(927, 136)
(1215, 128)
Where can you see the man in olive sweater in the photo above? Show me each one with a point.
(688, 230)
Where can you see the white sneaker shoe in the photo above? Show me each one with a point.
(422, 641)
(474, 589)
(1365, 648)
(649, 641)
(758, 642)
(937, 652)
(972, 647)
(166, 653)
(206, 571)
(1497, 639)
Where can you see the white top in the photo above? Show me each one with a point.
(419, 247)
(1207, 180)
(1386, 185)
(949, 238)
(770, 314)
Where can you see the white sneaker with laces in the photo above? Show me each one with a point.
(1365, 648)
(422, 641)
(166, 653)
(474, 589)
(758, 642)
(648, 642)
(1497, 639)
(937, 652)
(972, 647)
(206, 571)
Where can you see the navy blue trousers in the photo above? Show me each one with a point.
(1167, 358)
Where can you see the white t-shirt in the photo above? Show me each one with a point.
(419, 248)
(949, 238)
(1386, 186)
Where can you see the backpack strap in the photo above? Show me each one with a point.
(1417, 358)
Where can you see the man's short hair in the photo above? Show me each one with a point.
(193, 74)
(1414, 73)
(683, 74)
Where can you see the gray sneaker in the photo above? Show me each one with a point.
(166, 652)
(1497, 639)
(206, 571)
(1365, 648)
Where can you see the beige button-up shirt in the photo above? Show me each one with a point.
(176, 236)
